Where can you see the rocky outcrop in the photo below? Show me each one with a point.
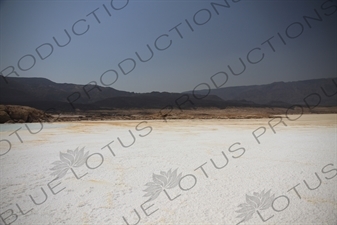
(22, 114)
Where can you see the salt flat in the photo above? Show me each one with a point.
(220, 162)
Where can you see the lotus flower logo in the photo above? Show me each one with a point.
(67, 161)
(257, 201)
(162, 181)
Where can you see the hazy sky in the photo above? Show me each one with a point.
(116, 30)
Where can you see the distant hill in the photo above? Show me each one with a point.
(44, 94)
(41, 89)
(282, 94)
(158, 100)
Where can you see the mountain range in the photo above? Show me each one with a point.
(44, 94)
(282, 94)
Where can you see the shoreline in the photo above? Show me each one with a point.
(23, 114)
(207, 114)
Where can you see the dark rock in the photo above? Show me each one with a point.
(22, 114)
(18, 112)
(4, 117)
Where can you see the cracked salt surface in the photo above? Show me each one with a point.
(206, 195)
